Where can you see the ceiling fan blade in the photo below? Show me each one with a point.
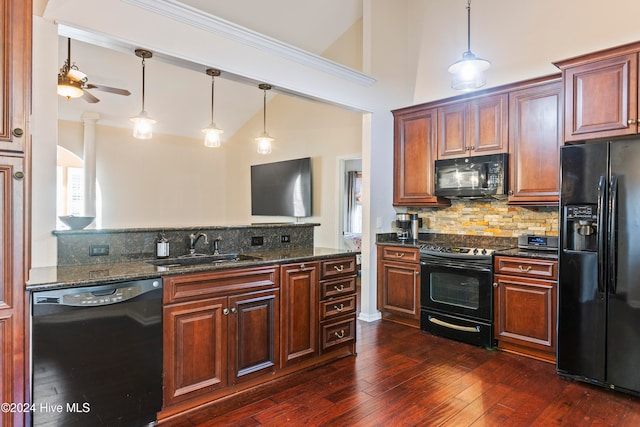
(89, 98)
(109, 89)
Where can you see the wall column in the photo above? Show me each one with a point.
(89, 157)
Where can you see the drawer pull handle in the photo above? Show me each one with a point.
(524, 270)
(473, 329)
(340, 334)
(399, 254)
(339, 269)
(339, 289)
(225, 311)
(338, 309)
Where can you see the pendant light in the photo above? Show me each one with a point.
(264, 140)
(211, 132)
(142, 123)
(468, 73)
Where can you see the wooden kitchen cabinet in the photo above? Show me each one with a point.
(15, 108)
(338, 304)
(299, 322)
(220, 329)
(473, 127)
(525, 295)
(399, 284)
(414, 153)
(535, 138)
(601, 93)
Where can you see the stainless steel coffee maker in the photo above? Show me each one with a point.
(408, 225)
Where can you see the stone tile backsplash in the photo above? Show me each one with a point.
(489, 218)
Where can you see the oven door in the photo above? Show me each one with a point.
(458, 288)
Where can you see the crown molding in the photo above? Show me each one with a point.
(196, 18)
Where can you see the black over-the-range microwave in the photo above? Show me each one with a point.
(476, 176)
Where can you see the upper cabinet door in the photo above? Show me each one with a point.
(413, 158)
(452, 133)
(535, 137)
(473, 127)
(601, 98)
(15, 57)
(487, 125)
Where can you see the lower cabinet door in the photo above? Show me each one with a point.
(195, 349)
(253, 330)
(525, 315)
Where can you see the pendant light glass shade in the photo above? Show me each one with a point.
(468, 72)
(142, 123)
(264, 140)
(212, 132)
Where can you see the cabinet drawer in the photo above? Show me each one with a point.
(337, 287)
(395, 253)
(527, 267)
(337, 267)
(338, 307)
(189, 287)
(337, 333)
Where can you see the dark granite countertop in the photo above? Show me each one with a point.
(44, 278)
(525, 253)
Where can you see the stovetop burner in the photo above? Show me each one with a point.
(456, 251)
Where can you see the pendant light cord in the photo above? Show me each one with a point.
(212, 95)
(264, 112)
(468, 25)
(143, 66)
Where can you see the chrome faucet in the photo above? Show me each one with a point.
(193, 239)
(216, 245)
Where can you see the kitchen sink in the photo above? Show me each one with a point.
(194, 260)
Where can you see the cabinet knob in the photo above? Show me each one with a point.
(225, 311)
(17, 132)
(233, 310)
(631, 121)
(302, 266)
(495, 285)
(510, 192)
(18, 175)
(417, 273)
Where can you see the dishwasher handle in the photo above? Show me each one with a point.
(98, 295)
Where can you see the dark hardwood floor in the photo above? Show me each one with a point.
(403, 377)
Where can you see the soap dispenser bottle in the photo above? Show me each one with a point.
(162, 247)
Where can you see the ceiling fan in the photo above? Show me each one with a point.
(73, 83)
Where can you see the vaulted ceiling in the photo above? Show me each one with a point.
(179, 97)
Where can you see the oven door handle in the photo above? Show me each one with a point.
(468, 267)
(474, 329)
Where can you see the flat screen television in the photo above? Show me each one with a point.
(282, 188)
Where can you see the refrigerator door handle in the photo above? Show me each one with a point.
(613, 230)
(602, 232)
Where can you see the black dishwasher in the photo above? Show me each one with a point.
(97, 355)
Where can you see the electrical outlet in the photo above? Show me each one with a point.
(98, 250)
(257, 240)
(285, 238)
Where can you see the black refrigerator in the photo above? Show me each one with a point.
(599, 264)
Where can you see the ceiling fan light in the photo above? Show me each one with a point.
(212, 136)
(76, 75)
(264, 143)
(142, 125)
(69, 89)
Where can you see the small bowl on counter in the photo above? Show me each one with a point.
(76, 222)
